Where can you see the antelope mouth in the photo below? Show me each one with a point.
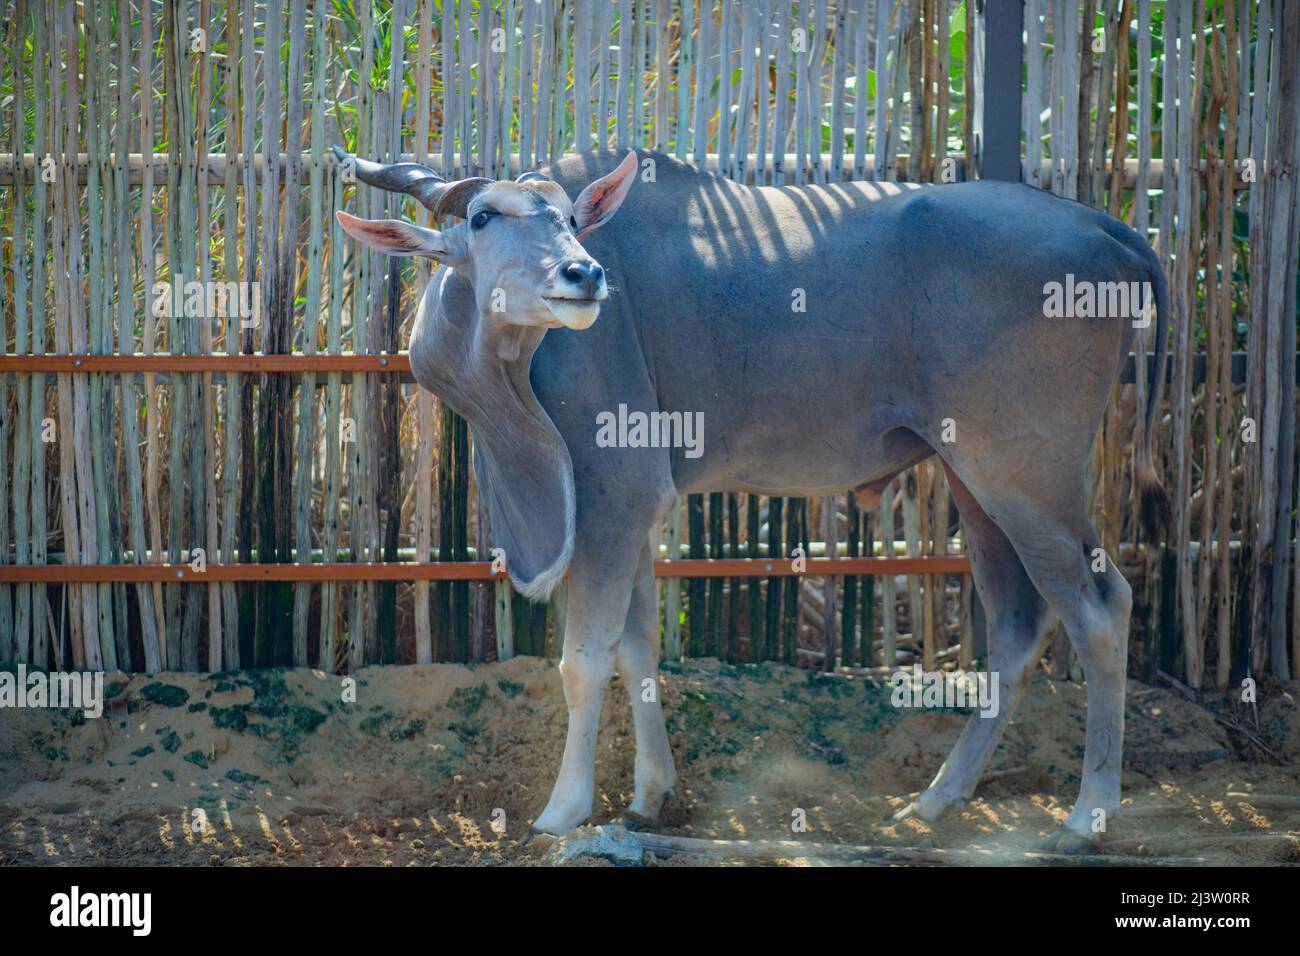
(577, 314)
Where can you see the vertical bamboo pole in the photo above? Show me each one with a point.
(802, 75)
(640, 30)
(1141, 223)
(673, 586)
(385, 339)
(527, 96)
(467, 57)
(505, 100)
(624, 73)
(772, 621)
(38, 651)
(1190, 64)
(745, 98)
(1086, 95)
(96, 610)
(662, 72)
(1236, 50)
(582, 77)
(858, 22)
(1256, 337)
(830, 535)
(796, 535)
(1033, 93)
(490, 65)
(849, 615)
(868, 630)
(14, 644)
(8, 634)
(248, 593)
(839, 71)
(559, 132)
(940, 504)
(704, 52)
(330, 649)
(733, 598)
(359, 465)
(1206, 559)
(754, 586)
(762, 68)
(724, 88)
(1283, 248)
(97, 124)
(231, 446)
(716, 586)
(206, 411)
(544, 92)
(942, 67)
(151, 607)
(881, 42)
(698, 640)
(917, 508)
(173, 110)
(81, 630)
(311, 324)
(914, 43)
(815, 61)
(603, 19)
(423, 477)
(928, 70)
(684, 86)
(182, 204)
(888, 595)
(274, 635)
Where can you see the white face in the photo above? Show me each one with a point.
(525, 262)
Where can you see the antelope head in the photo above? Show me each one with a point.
(518, 243)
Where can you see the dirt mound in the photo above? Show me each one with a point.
(449, 764)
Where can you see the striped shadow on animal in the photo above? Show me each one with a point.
(831, 336)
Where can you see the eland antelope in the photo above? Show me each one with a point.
(916, 307)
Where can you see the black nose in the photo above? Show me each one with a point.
(585, 275)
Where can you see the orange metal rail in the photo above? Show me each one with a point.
(166, 362)
(458, 570)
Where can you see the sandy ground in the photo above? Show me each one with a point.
(274, 767)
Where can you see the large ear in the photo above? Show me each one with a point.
(396, 238)
(597, 203)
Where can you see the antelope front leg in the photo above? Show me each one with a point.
(638, 666)
(597, 607)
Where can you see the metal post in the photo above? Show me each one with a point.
(997, 117)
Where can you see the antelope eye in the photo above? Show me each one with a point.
(573, 223)
(481, 218)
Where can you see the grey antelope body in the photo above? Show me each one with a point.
(832, 336)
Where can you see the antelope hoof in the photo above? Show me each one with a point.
(538, 838)
(643, 812)
(635, 821)
(929, 806)
(1070, 842)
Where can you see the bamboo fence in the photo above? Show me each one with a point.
(233, 478)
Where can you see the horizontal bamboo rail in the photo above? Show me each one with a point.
(216, 166)
(459, 570)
